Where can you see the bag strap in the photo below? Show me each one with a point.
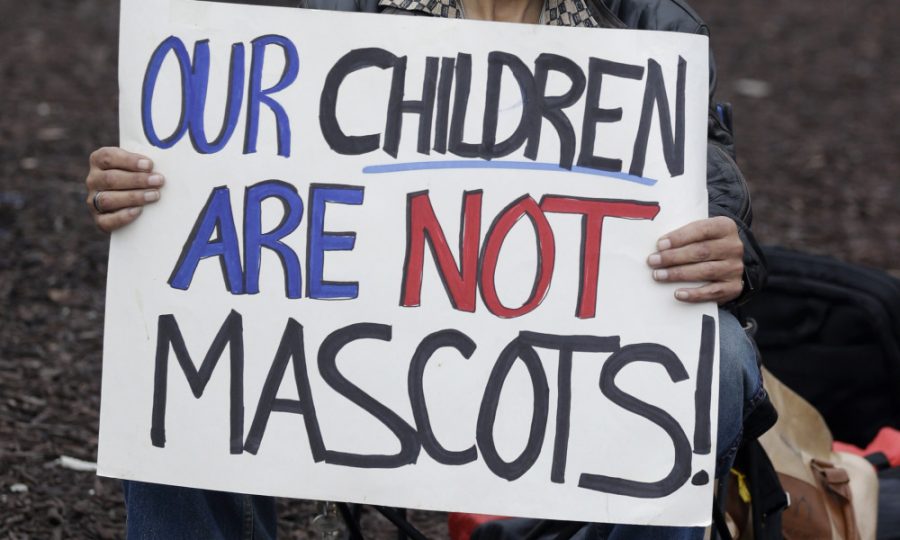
(769, 498)
(720, 525)
(836, 483)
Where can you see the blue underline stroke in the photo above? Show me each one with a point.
(512, 165)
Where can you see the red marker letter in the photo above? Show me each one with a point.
(593, 212)
(421, 225)
(525, 206)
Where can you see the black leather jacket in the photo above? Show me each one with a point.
(728, 192)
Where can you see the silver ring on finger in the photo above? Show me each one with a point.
(96, 201)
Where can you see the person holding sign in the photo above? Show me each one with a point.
(719, 252)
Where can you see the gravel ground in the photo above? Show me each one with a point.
(816, 90)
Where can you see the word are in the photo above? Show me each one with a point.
(214, 235)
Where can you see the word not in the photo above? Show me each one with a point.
(413, 439)
(478, 264)
(441, 125)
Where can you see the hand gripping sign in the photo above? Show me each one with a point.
(400, 260)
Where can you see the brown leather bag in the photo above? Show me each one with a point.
(832, 495)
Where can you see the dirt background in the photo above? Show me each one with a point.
(816, 90)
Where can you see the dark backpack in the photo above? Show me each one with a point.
(831, 332)
(889, 504)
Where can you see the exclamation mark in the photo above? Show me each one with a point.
(703, 395)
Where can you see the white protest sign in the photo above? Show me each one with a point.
(401, 261)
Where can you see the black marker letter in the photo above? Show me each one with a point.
(397, 106)
(169, 335)
(529, 122)
(488, 413)
(424, 352)
(290, 348)
(566, 345)
(352, 61)
(673, 144)
(460, 104)
(409, 443)
(552, 106)
(681, 468)
(593, 114)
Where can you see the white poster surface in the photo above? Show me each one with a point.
(401, 261)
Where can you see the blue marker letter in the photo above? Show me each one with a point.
(320, 241)
(199, 86)
(255, 239)
(257, 95)
(216, 217)
(175, 45)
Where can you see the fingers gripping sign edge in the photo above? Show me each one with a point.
(111, 221)
(698, 231)
(117, 185)
(111, 157)
(709, 250)
(720, 292)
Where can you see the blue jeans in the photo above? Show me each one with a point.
(173, 513)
